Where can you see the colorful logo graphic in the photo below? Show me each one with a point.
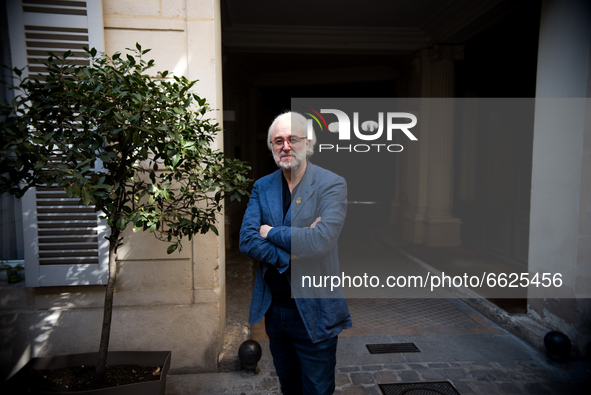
(316, 117)
(370, 130)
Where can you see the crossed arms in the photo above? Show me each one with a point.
(312, 234)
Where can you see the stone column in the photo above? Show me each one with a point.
(183, 292)
(441, 227)
(560, 224)
(428, 168)
(414, 165)
(429, 219)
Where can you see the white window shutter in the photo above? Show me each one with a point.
(64, 243)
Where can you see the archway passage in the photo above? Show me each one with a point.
(383, 51)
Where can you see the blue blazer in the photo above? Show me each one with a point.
(320, 193)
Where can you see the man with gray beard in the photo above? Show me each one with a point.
(296, 214)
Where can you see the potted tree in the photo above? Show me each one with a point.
(151, 136)
(12, 271)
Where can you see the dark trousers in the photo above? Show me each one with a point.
(303, 367)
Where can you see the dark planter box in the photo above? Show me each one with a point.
(147, 358)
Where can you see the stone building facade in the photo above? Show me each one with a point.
(458, 49)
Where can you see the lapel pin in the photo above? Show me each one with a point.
(298, 200)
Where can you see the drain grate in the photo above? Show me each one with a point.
(390, 348)
(434, 388)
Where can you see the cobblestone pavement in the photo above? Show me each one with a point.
(457, 345)
(510, 377)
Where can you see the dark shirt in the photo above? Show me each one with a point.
(278, 282)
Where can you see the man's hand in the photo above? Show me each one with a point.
(311, 227)
(264, 230)
(315, 222)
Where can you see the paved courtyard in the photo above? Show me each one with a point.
(456, 345)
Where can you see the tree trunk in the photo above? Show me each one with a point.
(108, 309)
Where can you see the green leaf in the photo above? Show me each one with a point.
(86, 197)
(75, 190)
(171, 249)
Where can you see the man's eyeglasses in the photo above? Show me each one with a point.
(291, 141)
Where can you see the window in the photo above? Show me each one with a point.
(11, 229)
(63, 242)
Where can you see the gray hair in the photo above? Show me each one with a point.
(297, 120)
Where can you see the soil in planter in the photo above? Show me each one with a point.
(80, 378)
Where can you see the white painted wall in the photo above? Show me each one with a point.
(560, 227)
